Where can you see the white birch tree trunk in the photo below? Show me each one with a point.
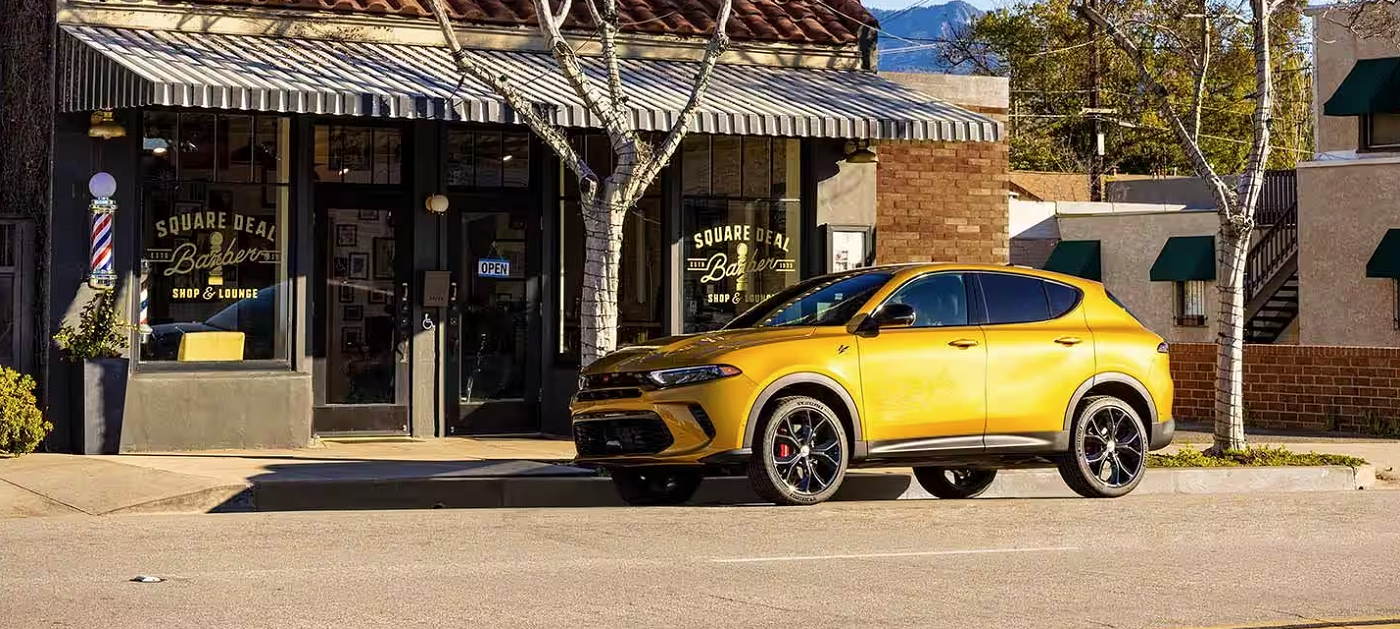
(1229, 346)
(603, 220)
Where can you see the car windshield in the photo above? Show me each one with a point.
(819, 301)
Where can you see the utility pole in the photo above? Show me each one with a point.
(1096, 158)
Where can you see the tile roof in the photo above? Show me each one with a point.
(831, 22)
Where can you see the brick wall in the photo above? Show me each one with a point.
(942, 201)
(1347, 389)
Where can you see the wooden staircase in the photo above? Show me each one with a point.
(1271, 280)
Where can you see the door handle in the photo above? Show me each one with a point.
(963, 343)
(1069, 340)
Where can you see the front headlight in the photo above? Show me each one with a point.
(690, 375)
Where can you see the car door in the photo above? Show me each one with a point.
(927, 379)
(1039, 350)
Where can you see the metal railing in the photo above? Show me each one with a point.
(1274, 249)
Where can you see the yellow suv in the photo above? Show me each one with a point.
(954, 370)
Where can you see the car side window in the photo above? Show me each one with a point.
(1014, 298)
(1062, 298)
(939, 300)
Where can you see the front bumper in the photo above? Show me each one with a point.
(664, 426)
(1162, 433)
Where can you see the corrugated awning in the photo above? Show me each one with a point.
(1372, 87)
(1385, 260)
(1185, 259)
(109, 68)
(1079, 258)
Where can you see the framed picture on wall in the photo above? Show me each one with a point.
(347, 236)
(368, 215)
(359, 266)
(352, 337)
(384, 258)
(378, 296)
(347, 294)
(847, 247)
(354, 313)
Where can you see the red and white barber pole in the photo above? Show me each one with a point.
(102, 186)
(144, 323)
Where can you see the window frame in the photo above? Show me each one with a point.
(986, 318)
(283, 364)
(976, 311)
(1367, 129)
(1179, 316)
(1396, 301)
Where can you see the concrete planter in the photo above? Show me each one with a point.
(99, 404)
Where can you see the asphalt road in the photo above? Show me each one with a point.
(1149, 561)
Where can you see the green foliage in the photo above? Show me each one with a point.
(22, 425)
(1041, 47)
(101, 332)
(1251, 457)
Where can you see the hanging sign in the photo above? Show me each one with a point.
(493, 267)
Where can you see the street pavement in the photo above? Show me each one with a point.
(1140, 561)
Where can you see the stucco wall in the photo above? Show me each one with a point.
(1335, 51)
(1343, 211)
(188, 411)
(1129, 244)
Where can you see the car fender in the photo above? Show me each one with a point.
(1111, 376)
(800, 378)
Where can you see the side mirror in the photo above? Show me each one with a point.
(895, 316)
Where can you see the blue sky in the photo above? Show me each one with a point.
(900, 4)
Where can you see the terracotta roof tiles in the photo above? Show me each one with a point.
(830, 22)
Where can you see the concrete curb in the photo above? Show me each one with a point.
(592, 491)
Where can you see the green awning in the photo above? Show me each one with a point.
(1184, 259)
(1385, 262)
(1372, 87)
(1076, 257)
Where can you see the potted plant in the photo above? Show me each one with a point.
(96, 349)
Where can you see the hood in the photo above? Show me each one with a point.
(181, 328)
(690, 349)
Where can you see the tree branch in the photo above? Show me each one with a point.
(1222, 193)
(607, 35)
(471, 66)
(618, 125)
(1252, 184)
(719, 42)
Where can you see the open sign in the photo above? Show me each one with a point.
(492, 267)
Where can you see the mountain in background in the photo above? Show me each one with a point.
(923, 24)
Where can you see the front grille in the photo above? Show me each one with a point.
(595, 395)
(617, 380)
(633, 433)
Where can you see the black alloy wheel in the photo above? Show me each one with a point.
(954, 482)
(800, 453)
(1108, 449)
(656, 486)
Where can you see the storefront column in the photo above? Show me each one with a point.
(428, 328)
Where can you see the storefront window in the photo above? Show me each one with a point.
(364, 155)
(488, 159)
(742, 226)
(214, 233)
(641, 279)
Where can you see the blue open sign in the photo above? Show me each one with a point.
(492, 267)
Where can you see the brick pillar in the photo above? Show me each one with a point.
(942, 201)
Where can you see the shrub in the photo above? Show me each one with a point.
(22, 425)
(101, 332)
(1263, 456)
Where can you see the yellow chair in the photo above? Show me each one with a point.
(211, 346)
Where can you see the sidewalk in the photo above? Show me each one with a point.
(511, 472)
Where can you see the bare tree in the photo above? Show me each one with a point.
(606, 201)
(1237, 205)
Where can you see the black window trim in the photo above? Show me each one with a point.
(1179, 316)
(976, 314)
(985, 317)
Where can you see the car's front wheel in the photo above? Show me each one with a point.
(953, 482)
(800, 453)
(655, 486)
(1108, 449)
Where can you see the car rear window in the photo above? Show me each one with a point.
(1062, 299)
(1014, 298)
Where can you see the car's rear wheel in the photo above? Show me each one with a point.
(800, 453)
(654, 486)
(1108, 449)
(954, 482)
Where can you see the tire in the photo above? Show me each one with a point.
(800, 453)
(1094, 469)
(954, 483)
(656, 486)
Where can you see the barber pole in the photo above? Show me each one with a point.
(144, 321)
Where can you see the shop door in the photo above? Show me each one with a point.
(16, 310)
(362, 304)
(494, 321)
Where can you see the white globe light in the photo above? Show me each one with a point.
(437, 204)
(102, 185)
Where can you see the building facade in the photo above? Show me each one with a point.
(335, 234)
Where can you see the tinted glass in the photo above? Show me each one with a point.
(822, 301)
(1014, 298)
(1062, 299)
(938, 300)
(1124, 306)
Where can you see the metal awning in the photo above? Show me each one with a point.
(110, 68)
(1185, 259)
(1385, 260)
(1079, 258)
(1372, 87)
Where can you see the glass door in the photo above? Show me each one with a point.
(15, 310)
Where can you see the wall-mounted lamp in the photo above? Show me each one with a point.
(104, 125)
(858, 152)
(437, 204)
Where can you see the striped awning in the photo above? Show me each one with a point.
(111, 68)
